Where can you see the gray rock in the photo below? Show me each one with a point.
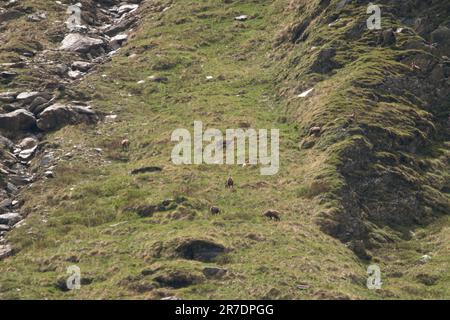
(5, 203)
(441, 36)
(28, 143)
(47, 160)
(7, 75)
(75, 74)
(11, 188)
(36, 17)
(28, 96)
(80, 43)
(213, 272)
(82, 66)
(127, 8)
(117, 41)
(4, 227)
(27, 154)
(11, 14)
(49, 174)
(18, 120)
(5, 251)
(37, 102)
(241, 18)
(8, 97)
(5, 143)
(10, 218)
(59, 115)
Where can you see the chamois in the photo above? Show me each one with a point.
(272, 215)
(125, 144)
(230, 183)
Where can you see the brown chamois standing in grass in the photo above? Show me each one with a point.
(214, 210)
(125, 144)
(230, 183)
(272, 215)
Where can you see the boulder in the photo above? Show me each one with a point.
(127, 8)
(80, 43)
(441, 37)
(59, 115)
(18, 120)
(4, 227)
(5, 143)
(5, 251)
(117, 41)
(36, 104)
(82, 66)
(11, 14)
(8, 97)
(10, 218)
(27, 96)
(26, 154)
(7, 75)
(213, 272)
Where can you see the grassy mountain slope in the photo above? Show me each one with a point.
(328, 187)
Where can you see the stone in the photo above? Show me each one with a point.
(5, 251)
(118, 41)
(441, 37)
(80, 43)
(36, 17)
(241, 18)
(49, 174)
(5, 143)
(82, 66)
(27, 96)
(305, 93)
(8, 97)
(35, 106)
(18, 120)
(27, 154)
(5, 203)
(8, 75)
(59, 115)
(47, 160)
(75, 74)
(28, 143)
(4, 227)
(127, 8)
(213, 272)
(425, 259)
(10, 218)
(170, 298)
(11, 14)
(11, 188)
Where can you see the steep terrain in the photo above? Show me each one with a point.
(364, 156)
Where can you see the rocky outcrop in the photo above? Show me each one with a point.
(18, 120)
(59, 115)
(41, 108)
(80, 43)
(10, 219)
